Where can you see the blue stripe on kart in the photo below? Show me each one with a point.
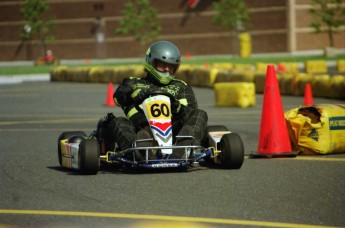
(161, 132)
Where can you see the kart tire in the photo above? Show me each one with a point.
(232, 151)
(211, 129)
(89, 156)
(67, 135)
(205, 142)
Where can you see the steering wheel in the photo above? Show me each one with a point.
(159, 92)
(155, 93)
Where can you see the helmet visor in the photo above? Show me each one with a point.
(165, 67)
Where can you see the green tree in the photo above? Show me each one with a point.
(36, 24)
(328, 16)
(139, 21)
(231, 14)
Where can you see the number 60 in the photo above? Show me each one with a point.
(157, 110)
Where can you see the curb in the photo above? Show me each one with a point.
(17, 79)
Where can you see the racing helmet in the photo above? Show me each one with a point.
(166, 52)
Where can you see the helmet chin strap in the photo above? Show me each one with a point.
(165, 74)
(163, 78)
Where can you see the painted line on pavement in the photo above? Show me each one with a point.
(17, 79)
(60, 130)
(58, 121)
(320, 159)
(161, 218)
(75, 121)
(304, 158)
(236, 114)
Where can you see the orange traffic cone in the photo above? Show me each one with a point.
(187, 55)
(281, 68)
(308, 95)
(110, 100)
(273, 138)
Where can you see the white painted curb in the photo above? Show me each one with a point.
(16, 79)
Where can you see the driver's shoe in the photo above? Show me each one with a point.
(181, 152)
(141, 154)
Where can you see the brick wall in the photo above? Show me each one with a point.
(193, 32)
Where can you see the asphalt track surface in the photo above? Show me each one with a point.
(36, 192)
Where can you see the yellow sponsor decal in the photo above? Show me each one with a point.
(158, 109)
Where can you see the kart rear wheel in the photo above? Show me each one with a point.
(89, 156)
(67, 135)
(232, 151)
(211, 129)
(206, 140)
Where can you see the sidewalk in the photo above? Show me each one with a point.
(16, 79)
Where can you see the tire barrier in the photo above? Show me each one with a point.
(291, 81)
(316, 67)
(240, 94)
(341, 66)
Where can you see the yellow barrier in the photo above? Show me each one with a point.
(323, 85)
(341, 66)
(287, 67)
(223, 66)
(240, 94)
(262, 67)
(316, 67)
(317, 129)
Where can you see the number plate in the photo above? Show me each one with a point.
(158, 114)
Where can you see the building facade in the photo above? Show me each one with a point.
(86, 29)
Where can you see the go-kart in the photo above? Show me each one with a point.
(86, 154)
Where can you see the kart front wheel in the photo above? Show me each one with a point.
(207, 139)
(67, 135)
(89, 156)
(212, 128)
(232, 151)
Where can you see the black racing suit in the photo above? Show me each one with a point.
(188, 114)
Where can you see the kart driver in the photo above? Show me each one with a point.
(162, 61)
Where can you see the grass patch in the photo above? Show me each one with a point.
(264, 59)
(20, 70)
(42, 69)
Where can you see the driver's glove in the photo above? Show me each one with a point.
(139, 95)
(175, 106)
